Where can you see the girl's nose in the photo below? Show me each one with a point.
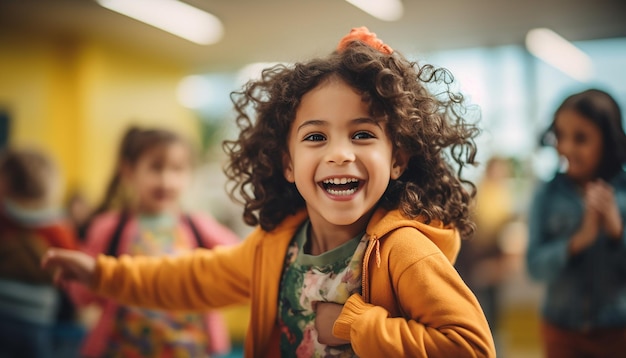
(340, 153)
(564, 146)
(167, 178)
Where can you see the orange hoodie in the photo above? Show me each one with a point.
(413, 302)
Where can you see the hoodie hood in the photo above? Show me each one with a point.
(447, 239)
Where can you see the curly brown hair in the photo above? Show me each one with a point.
(431, 128)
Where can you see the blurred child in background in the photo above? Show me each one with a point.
(141, 215)
(576, 225)
(482, 262)
(31, 220)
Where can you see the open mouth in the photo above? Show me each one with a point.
(341, 186)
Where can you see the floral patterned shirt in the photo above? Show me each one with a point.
(330, 277)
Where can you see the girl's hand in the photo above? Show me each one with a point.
(590, 226)
(601, 197)
(70, 266)
(326, 314)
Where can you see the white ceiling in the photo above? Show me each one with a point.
(288, 30)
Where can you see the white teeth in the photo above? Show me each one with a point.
(340, 180)
(341, 192)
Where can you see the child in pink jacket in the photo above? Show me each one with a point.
(154, 167)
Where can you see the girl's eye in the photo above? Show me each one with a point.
(580, 138)
(314, 137)
(156, 166)
(179, 167)
(363, 135)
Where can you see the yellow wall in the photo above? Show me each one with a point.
(74, 99)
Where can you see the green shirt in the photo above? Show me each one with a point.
(330, 277)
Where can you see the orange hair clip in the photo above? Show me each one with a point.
(364, 35)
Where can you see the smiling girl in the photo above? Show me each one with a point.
(344, 170)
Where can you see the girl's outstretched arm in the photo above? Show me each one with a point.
(200, 280)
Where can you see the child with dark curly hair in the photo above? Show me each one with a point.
(351, 169)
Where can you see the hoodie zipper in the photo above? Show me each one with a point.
(372, 242)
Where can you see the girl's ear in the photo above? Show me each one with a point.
(399, 163)
(288, 169)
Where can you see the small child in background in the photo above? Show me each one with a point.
(141, 215)
(344, 169)
(577, 241)
(31, 221)
(483, 263)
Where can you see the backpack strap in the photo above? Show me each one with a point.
(194, 229)
(114, 242)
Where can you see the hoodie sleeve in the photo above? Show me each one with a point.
(201, 280)
(438, 314)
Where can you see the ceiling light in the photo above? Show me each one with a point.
(173, 16)
(386, 10)
(560, 53)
